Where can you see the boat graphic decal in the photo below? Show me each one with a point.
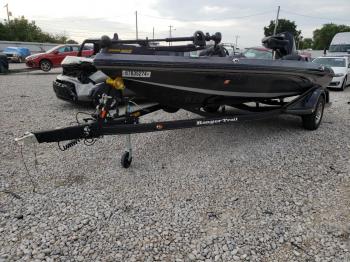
(214, 92)
(138, 74)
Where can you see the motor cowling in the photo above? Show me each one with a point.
(282, 43)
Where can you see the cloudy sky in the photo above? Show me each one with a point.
(245, 19)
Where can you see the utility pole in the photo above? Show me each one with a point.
(8, 13)
(275, 30)
(276, 21)
(137, 30)
(170, 26)
(153, 33)
(236, 42)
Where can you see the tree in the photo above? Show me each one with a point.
(284, 25)
(71, 41)
(306, 43)
(323, 37)
(20, 29)
(3, 32)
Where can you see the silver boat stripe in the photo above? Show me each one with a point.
(215, 92)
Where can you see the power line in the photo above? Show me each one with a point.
(315, 17)
(213, 19)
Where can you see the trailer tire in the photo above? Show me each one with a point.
(313, 121)
(125, 160)
(343, 84)
(4, 65)
(2, 68)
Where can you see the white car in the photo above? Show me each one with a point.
(341, 68)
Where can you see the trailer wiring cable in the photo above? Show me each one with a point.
(68, 145)
(31, 179)
(86, 141)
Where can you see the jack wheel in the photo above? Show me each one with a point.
(126, 161)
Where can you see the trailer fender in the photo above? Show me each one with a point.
(307, 105)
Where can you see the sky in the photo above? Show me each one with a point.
(241, 20)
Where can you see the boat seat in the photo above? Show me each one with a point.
(217, 50)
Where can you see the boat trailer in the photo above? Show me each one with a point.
(309, 106)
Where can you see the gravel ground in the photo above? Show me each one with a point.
(257, 191)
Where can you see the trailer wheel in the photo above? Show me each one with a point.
(343, 84)
(2, 68)
(313, 121)
(126, 161)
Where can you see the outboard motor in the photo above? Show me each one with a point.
(283, 44)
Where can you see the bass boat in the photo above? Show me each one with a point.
(221, 88)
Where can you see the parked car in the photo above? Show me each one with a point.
(4, 65)
(53, 57)
(16, 54)
(341, 68)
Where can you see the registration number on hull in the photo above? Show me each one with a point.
(139, 74)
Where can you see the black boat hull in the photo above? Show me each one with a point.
(187, 82)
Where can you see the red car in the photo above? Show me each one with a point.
(53, 57)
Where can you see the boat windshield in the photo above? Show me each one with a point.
(339, 48)
(330, 61)
(257, 53)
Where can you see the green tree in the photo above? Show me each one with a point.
(71, 41)
(20, 29)
(306, 43)
(3, 31)
(322, 37)
(284, 25)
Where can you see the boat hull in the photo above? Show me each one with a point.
(185, 82)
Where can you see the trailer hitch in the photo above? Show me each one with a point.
(27, 139)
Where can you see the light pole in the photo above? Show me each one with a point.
(170, 27)
(137, 30)
(236, 42)
(275, 30)
(8, 13)
(276, 21)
